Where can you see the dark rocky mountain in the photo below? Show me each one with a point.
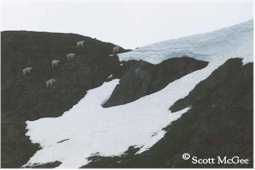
(28, 98)
(219, 122)
(143, 78)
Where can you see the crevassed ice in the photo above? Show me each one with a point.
(235, 41)
(89, 129)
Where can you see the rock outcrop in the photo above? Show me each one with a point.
(142, 78)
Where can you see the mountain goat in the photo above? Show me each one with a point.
(26, 70)
(70, 56)
(50, 82)
(80, 43)
(55, 63)
(116, 49)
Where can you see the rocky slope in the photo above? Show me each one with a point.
(143, 78)
(218, 120)
(26, 97)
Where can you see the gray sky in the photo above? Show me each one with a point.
(129, 23)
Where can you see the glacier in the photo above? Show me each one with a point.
(88, 128)
(234, 41)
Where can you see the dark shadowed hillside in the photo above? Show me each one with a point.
(143, 78)
(26, 97)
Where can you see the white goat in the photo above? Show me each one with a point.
(70, 56)
(80, 43)
(116, 49)
(50, 82)
(55, 63)
(26, 70)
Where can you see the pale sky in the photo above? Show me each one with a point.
(129, 23)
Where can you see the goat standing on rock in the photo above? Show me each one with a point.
(55, 63)
(70, 56)
(50, 82)
(80, 43)
(116, 49)
(26, 70)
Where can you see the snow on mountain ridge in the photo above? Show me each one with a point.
(232, 41)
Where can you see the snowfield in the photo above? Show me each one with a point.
(88, 128)
(235, 41)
